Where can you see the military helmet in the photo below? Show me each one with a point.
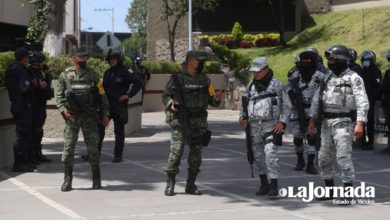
(353, 54)
(312, 49)
(339, 53)
(115, 53)
(307, 54)
(368, 55)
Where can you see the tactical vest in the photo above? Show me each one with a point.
(11, 81)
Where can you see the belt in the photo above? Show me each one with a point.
(332, 115)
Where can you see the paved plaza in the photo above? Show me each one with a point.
(134, 189)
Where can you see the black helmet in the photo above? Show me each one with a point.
(36, 57)
(339, 53)
(314, 50)
(353, 54)
(308, 54)
(115, 53)
(368, 55)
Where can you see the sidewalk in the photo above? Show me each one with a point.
(134, 189)
(346, 5)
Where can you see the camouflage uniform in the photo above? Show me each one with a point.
(308, 90)
(343, 95)
(265, 109)
(198, 93)
(86, 86)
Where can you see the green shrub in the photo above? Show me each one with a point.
(58, 65)
(212, 67)
(237, 33)
(6, 59)
(157, 67)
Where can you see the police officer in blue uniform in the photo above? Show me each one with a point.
(43, 93)
(21, 85)
(116, 82)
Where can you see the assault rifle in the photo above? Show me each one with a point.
(249, 153)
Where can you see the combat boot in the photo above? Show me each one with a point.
(68, 177)
(328, 183)
(300, 162)
(20, 165)
(117, 159)
(264, 187)
(31, 159)
(310, 169)
(273, 189)
(191, 188)
(96, 180)
(170, 188)
(345, 200)
(84, 157)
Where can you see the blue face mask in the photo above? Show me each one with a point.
(366, 63)
(388, 64)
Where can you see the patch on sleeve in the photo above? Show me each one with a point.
(211, 90)
(100, 87)
(358, 81)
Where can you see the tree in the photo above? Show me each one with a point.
(136, 19)
(174, 10)
(47, 25)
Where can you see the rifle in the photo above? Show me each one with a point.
(183, 111)
(249, 153)
(298, 102)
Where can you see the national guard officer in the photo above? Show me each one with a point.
(386, 98)
(268, 110)
(43, 93)
(340, 98)
(116, 82)
(79, 93)
(197, 92)
(302, 84)
(143, 74)
(372, 78)
(352, 63)
(21, 85)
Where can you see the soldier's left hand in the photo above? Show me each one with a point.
(278, 128)
(218, 95)
(358, 131)
(123, 98)
(105, 121)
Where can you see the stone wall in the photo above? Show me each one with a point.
(163, 52)
(157, 28)
(315, 6)
(234, 90)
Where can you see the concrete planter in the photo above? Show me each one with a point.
(156, 86)
(7, 130)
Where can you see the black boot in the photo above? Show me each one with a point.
(300, 162)
(328, 183)
(345, 200)
(191, 188)
(310, 169)
(264, 187)
(273, 189)
(117, 159)
(85, 157)
(96, 181)
(31, 158)
(68, 177)
(40, 157)
(170, 188)
(20, 164)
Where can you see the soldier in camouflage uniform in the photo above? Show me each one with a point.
(197, 92)
(343, 99)
(306, 80)
(78, 94)
(268, 109)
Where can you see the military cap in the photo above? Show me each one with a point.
(21, 52)
(258, 64)
(80, 51)
(198, 55)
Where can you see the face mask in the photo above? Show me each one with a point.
(337, 68)
(366, 63)
(82, 64)
(200, 67)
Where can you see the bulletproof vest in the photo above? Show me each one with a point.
(11, 81)
(83, 85)
(195, 91)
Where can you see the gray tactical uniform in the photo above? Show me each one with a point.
(265, 109)
(344, 97)
(308, 90)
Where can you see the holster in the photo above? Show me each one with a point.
(206, 138)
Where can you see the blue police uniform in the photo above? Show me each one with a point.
(116, 82)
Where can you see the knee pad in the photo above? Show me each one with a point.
(298, 142)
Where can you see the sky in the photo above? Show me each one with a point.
(101, 21)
